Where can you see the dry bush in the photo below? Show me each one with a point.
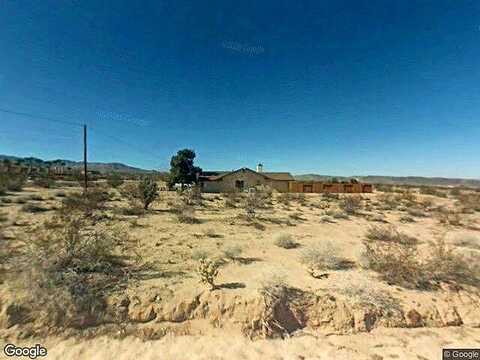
(455, 192)
(388, 201)
(232, 252)
(88, 202)
(430, 190)
(185, 213)
(139, 195)
(285, 241)
(71, 267)
(416, 212)
(11, 182)
(44, 181)
(444, 265)
(285, 198)
(449, 217)
(192, 196)
(328, 196)
(389, 234)
(364, 292)
(408, 197)
(468, 241)
(114, 180)
(469, 202)
(61, 194)
(386, 188)
(351, 204)
(322, 257)
(397, 263)
(253, 201)
(377, 218)
(208, 270)
(199, 254)
(34, 208)
(211, 233)
(406, 219)
(231, 199)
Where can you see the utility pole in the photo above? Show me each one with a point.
(85, 176)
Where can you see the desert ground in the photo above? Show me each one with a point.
(392, 274)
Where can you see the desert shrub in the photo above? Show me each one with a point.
(147, 191)
(408, 197)
(297, 216)
(406, 219)
(33, 208)
(416, 212)
(232, 252)
(141, 194)
(384, 188)
(12, 182)
(44, 181)
(192, 195)
(389, 234)
(430, 190)
(208, 270)
(72, 266)
(377, 218)
(211, 233)
(231, 199)
(444, 265)
(468, 241)
(252, 202)
(455, 192)
(322, 257)
(199, 254)
(351, 204)
(469, 202)
(114, 180)
(449, 217)
(396, 262)
(185, 213)
(338, 214)
(285, 198)
(388, 201)
(61, 194)
(285, 241)
(328, 196)
(326, 219)
(88, 202)
(36, 197)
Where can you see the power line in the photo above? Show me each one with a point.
(40, 117)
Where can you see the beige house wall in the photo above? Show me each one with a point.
(250, 179)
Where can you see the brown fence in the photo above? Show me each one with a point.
(325, 187)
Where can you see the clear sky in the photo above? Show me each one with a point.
(332, 87)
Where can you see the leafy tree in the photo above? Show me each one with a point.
(182, 169)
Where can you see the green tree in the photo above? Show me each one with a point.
(182, 169)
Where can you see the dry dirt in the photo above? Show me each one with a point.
(348, 313)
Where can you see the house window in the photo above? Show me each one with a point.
(239, 184)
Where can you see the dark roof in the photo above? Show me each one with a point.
(215, 175)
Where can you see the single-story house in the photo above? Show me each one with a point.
(244, 178)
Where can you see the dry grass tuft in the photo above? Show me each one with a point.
(285, 241)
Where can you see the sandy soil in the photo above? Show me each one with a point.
(165, 293)
(380, 344)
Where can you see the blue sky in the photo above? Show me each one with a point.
(330, 87)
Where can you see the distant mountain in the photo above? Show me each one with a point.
(396, 180)
(96, 166)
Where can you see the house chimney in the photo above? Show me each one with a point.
(259, 168)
